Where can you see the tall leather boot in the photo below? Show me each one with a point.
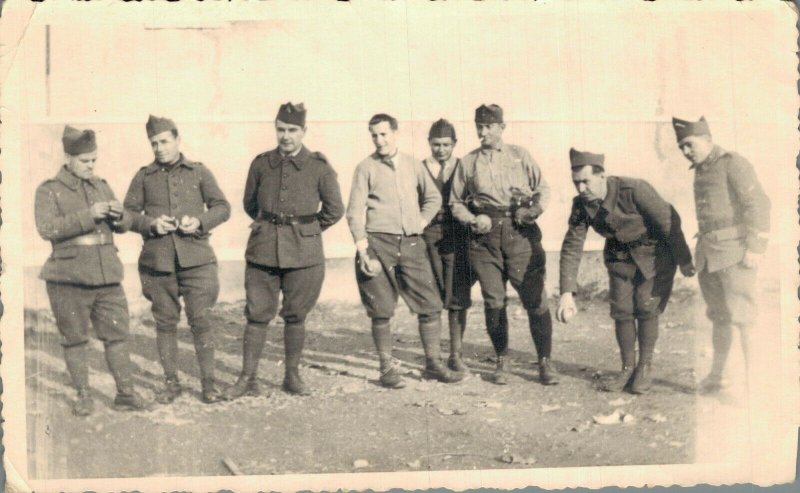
(167, 344)
(541, 327)
(294, 336)
(625, 331)
(119, 364)
(78, 369)
(721, 340)
(497, 327)
(648, 334)
(204, 348)
(457, 323)
(252, 347)
(430, 332)
(382, 337)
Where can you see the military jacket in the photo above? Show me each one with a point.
(732, 210)
(62, 212)
(186, 188)
(641, 229)
(301, 185)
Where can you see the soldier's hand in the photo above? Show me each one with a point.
(369, 266)
(189, 225)
(752, 260)
(482, 224)
(100, 210)
(688, 270)
(114, 209)
(164, 225)
(525, 216)
(566, 308)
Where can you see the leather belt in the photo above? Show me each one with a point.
(729, 233)
(284, 219)
(494, 212)
(712, 226)
(87, 240)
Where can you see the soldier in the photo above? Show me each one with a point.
(644, 243)
(292, 195)
(175, 204)
(400, 199)
(78, 213)
(733, 222)
(499, 192)
(447, 241)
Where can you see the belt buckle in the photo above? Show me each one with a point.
(279, 218)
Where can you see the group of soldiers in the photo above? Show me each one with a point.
(424, 231)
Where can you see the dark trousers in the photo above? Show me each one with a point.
(199, 287)
(301, 288)
(632, 296)
(448, 250)
(76, 308)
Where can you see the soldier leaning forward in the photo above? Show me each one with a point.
(175, 204)
(292, 195)
(498, 190)
(448, 241)
(733, 222)
(78, 213)
(644, 243)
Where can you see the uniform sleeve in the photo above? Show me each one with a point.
(357, 204)
(332, 207)
(572, 250)
(218, 209)
(537, 183)
(677, 241)
(459, 193)
(122, 224)
(656, 212)
(752, 200)
(134, 206)
(54, 226)
(431, 198)
(250, 200)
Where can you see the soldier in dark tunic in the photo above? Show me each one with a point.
(448, 241)
(644, 243)
(78, 213)
(292, 195)
(733, 223)
(499, 192)
(175, 203)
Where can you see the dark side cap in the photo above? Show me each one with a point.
(686, 128)
(489, 114)
(293, 114)
(441, 129)
(579, 159)
(156, 125)
(77, 142)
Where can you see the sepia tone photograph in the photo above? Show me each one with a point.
(372, 245)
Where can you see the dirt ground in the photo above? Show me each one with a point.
(351, 423)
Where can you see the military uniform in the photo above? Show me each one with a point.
(733, 219)
(83, 273)
(178, 265)
(292, 200)
(644, 245)
(486, 183)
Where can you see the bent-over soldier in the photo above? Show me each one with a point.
(644, 244)
(499, 191)
(448, 240)
(733, 222)
(292, 195)
(78, 213)
(399, 199)
(175, 204)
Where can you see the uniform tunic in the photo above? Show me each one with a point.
(448, 242)
(398, 198)
(288, 257)
(644, 243)
(732, 217)
(178, 265)
(485, 183)
(83, 281)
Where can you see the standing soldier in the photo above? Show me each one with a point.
(733, 222)
(644, 243)
(447, 241)
(175, 204)
(400, 199)
(77, 212)
(292, 195)
(499, 192)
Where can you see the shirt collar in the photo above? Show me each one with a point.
(66, 177)
(298, 157)
(500, 147)
(388, 160)
(182, 161)
(448, 166)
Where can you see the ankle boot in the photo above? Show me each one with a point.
(500, 376)
(294, 335)
(382, 337)
(546, 372)
(204, 348)
(171, 391)
(541, 329)
(457, 323)
(252, 347)
(119, 363)
(430, 330)
(84, 404)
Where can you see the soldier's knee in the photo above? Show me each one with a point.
(428, 317)
(167, 328)
(74, 342)
(294, 318)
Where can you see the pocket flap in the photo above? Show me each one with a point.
(65, 252)
(310, 229)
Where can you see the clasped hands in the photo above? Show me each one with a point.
(164, 225)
